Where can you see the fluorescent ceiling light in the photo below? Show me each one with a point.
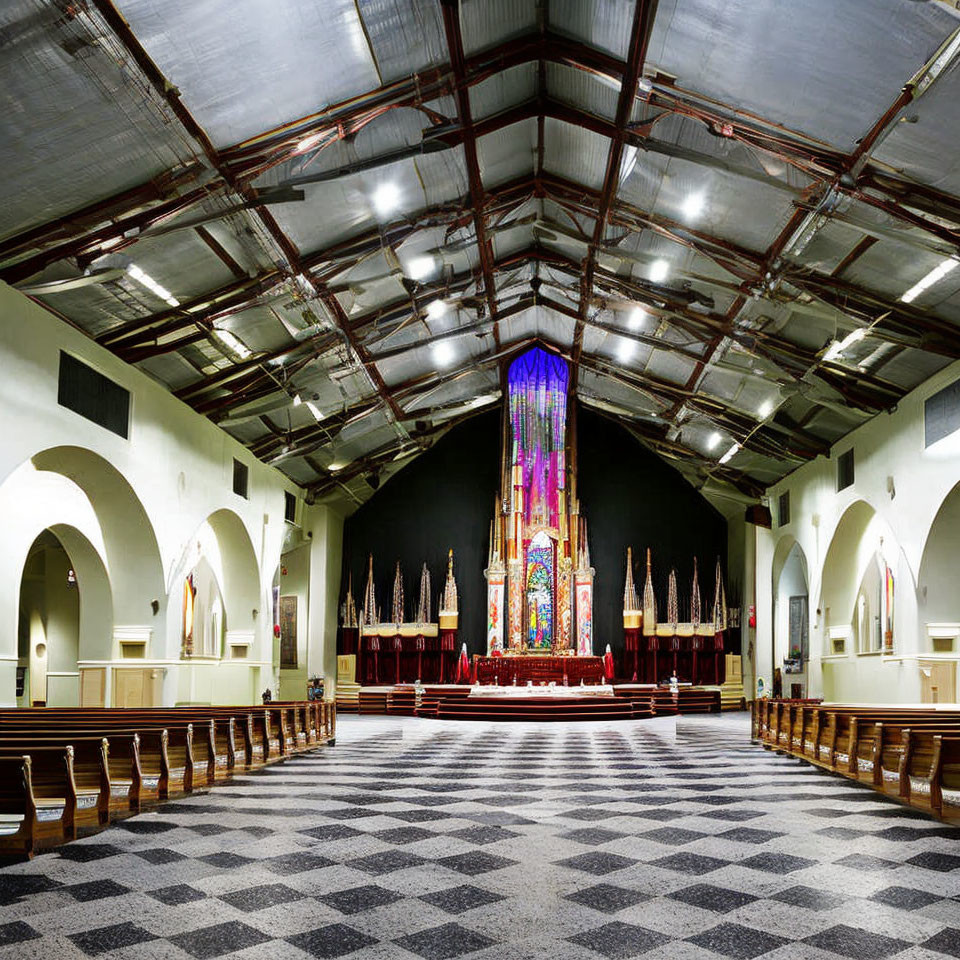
(297, 400)
(637, 317)
(940, 61)
(443, 353)
(386, 198)
(713, 440)
(144, 279)
(307, 142)
(626, 349)
(315, 410)
(766, 408)
(629, 163)
(937, 273)
(659, 270)
(730, 454)
(233, 343)
(436, 309)
(419, 268)
(693, 206)
(836, 348)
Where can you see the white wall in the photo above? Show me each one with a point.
(139, 504)
(899, 488)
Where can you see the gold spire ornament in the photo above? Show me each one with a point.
(449, 605)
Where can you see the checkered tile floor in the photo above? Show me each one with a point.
(670, 838)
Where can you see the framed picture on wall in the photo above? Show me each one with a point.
(799, 629)
(288, 633)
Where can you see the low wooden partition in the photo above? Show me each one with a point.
(911, 753)
(65, 771)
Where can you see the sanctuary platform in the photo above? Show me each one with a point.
(629, 701)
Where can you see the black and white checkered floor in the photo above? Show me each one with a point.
(416, 838)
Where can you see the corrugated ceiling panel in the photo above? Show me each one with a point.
(503, 90)
(575, 153)
(758, 56)
(507, 154)
(73, 127)
(242, 71)
(606, 25)
(492, 21)
(583, 90)
(406, 35)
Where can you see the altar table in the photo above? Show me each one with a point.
(519, 668)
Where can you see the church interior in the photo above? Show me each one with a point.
(480, 478)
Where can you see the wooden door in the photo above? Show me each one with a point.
(938, 682)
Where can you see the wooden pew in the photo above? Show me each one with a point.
(77, 768)
(909, 752)
(91, 771)
(19, 825)
(53, 794)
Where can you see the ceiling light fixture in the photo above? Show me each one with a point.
(626, 349)
(730, 454)
(936, 65)
(297, 400)
(419, 268)
(713, 440)
(443, 353)
(937, 273)
(386, 198)
(836, 348)
(659, 270)
(308, 142)
(693, 206)
(233, 343)
(144, 279)
(315, 410)
(766, 408)
(436, 309)
(637, 317)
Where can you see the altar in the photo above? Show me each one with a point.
(531, 668)
(549, 692)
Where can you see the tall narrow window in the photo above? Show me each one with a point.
(845, 469)
(289, 507)
(783, 509)
(240, 475)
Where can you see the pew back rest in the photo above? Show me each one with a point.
(16, 791)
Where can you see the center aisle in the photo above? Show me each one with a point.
(412, 838)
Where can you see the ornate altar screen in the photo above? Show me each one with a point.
(537, 540)
(540, 589)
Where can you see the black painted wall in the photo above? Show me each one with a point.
(445, 499)
(631, 497)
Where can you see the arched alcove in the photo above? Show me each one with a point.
(938, 580)
(221, 559)
(64, 615)
(866, 587)
(791, 607)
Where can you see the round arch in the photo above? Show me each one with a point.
(65, 611)
(939, 598)
(790, 586)
(224, 547)
(130, 543)
(863, 543)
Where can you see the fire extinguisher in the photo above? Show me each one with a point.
(752, 616)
